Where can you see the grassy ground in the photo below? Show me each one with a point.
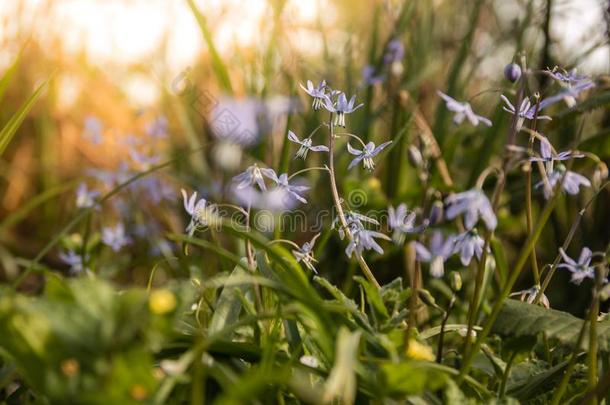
(117, 289)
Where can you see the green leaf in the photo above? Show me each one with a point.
(228, 306)
(14, 123)
(537, 383)
(518, 318)
(8, 75)
(373, 298)
(413, 377)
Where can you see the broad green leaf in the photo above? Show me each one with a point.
(537, 383)
(435, 330)
(413, 377)
(518, 318)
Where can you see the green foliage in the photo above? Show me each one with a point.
(85, 342)
(521, 319)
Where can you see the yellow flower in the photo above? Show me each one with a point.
(419, 351)
(161, 301)
(374, 183)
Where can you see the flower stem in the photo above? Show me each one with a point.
(307, 170)
(506, 374)
(592, 353)
(333, 186)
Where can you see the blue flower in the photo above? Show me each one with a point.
(115, 237)
(282, 183)
(305, 254)
(580, 269)
(318, 93)
(567, 95)
(155, 189)
(84, 197)
(200, 211)
(365, 155)
(363, 239)
(146, 162)
(437, 255)
(394, 52)
(526, 110)
(157, 128)
(512, 72)
(341, 107)
(251, 176)
(463, 110)
(473, 204)
(547, 155)
(402, 222)
(571, 183)
(306, 145)
(93, 130)
(566, 78)
(370, 76)
(467, 245)
(75, 261)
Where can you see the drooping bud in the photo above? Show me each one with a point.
(426, 297)
(436, 213)
(600, 175)
(456, 281)
(512, 72)
(415, 157)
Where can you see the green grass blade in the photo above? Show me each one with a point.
(8, 75)
(217, 64)
(11, 127)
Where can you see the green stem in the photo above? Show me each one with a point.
(441, 337)
(333, 186)
(528, 214)
(506, 374)
(592, 353)
(473, 310)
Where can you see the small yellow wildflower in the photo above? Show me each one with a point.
(162, 301)
(419, 351)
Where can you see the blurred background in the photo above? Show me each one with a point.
(213, 84)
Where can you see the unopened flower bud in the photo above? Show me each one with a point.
(600, 175)
(456, 281)
(415, 157)
(426, 297)
(436, 213)
(512, 72)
